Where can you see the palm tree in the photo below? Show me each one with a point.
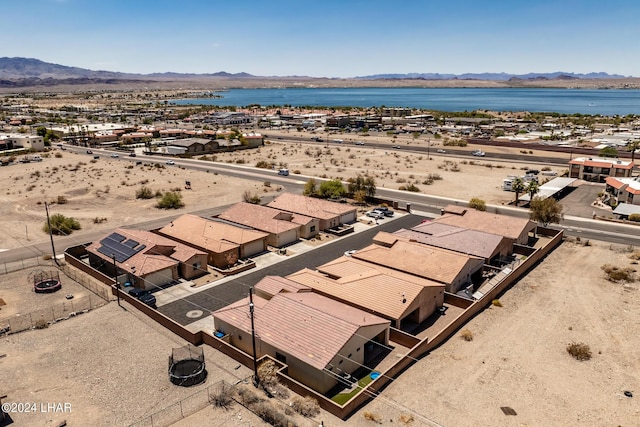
(633, 146)
(518, 187)
(532, 188)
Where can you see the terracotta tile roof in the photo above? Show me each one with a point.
(273, 285)
(214, 236)
(387, 292)
(422, 260)
(310, 206)
(307, 326)
(614, 182)
(160, 252)
(260, 217)
(454, 238)
(603, 162)
(502, 225)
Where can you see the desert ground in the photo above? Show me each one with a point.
(105, 189)
(517, 357)
(110, 363)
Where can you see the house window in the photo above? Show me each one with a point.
(313, 228)
(239, 337)
(281, 357)
(340, 362)
(196, 265)
(358, 349)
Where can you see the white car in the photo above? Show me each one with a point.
(359, 143)
(477, 153)
(440, 150)
(171, 162)
(349, 253)
(375, 214)
(114, 155)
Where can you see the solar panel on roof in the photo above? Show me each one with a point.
(114, 245)
(130, 243)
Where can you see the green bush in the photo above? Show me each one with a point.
(478, 204)
(170, 200)
(634, 217)
(62, 225)
(144, 193)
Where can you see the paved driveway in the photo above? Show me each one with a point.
(214, 298)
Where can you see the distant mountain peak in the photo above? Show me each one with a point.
(560, 75)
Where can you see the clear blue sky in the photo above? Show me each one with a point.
(331, 38)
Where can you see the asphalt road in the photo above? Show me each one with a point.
(226, 293)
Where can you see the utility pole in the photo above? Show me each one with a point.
(256, 378)
(115, 278)
(53, 249)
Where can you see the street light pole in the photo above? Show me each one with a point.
(256, 378)
(115, 278)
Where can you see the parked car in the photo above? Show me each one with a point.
(171, 162)
(144, 296)
(477, 153)
(114, 155)
(375, 214)
(384, 211)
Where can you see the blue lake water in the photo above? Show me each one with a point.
(607, 102)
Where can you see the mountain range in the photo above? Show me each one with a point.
(22, 72)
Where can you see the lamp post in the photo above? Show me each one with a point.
(115, 278)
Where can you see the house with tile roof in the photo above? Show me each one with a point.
(516, 229)
(597, 169)
(146, 259)
(625, 190)
(453, 269)
(224, 243)
(322, 341)
(283, 227)
(491, 247)
(392, 294)
(329, 214)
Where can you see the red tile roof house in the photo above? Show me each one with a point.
(283, 227)
(224, 242)
(516, 229)
(320, 339)
(491, 247)
(330, 214)
(597, 169)
(388, 293)
(626, 190)
(453, 269)
(150, 260)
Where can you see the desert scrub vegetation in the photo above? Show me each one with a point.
(144, 192)
(617, 274)
(478, 204)
(411, 187)
(370, 416)
(223, 396)
(61, 225)
(466, 335)
(579, 350)
(170, 200)
(307, 406)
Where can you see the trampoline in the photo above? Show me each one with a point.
(45, 281)
(187, 366)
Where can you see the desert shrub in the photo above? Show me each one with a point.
(58, 155)
(307, 407)
(580, 351)
(634, 217)
(370, 416)
(144, 192)
(267, 183)
(61, 225)
(617, 274)
(99, 220)
(271, 415)
(401, 180)
(247, 396)
(296, 172)
(267, 372)
(466, 335)
(478, 204)
(635, 255)
(263, 164)
(250, 197)
(170, 200)
(222, 397)
(412, 188)
(496, 302)
(41, 324)
(61, 200)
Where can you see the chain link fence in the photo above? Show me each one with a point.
(40, 319)
(100, 289)
(10, 267)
